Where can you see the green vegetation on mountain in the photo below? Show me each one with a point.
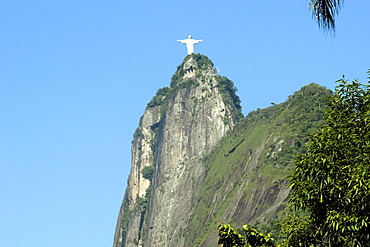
(177, 80)
(199, 63)
(248, 168)
(330, 182)
(202, 63)
(228, 92)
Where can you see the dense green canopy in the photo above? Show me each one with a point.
(331, 181)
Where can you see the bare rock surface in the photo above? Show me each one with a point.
(177, 129)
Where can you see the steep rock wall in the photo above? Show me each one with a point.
(180, 125)
(129, 223)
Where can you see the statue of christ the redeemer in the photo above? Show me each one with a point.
(189, 43)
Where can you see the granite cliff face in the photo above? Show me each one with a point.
(197, 161)
(180, 125)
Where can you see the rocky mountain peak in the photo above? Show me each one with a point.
(190, 65)
(180, 125)
(192, 167)
(193, 64)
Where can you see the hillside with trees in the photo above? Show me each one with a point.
(329, 183)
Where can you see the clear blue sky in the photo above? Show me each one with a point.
(75, 77)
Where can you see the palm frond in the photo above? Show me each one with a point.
(324, 11)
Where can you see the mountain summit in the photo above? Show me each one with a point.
(197, 161)
(180, 125)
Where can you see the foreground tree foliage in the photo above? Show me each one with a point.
(229, 237)
(331, 182)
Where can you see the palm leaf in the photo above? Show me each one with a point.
(324, 11)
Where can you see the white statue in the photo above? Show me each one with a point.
(189, 43)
